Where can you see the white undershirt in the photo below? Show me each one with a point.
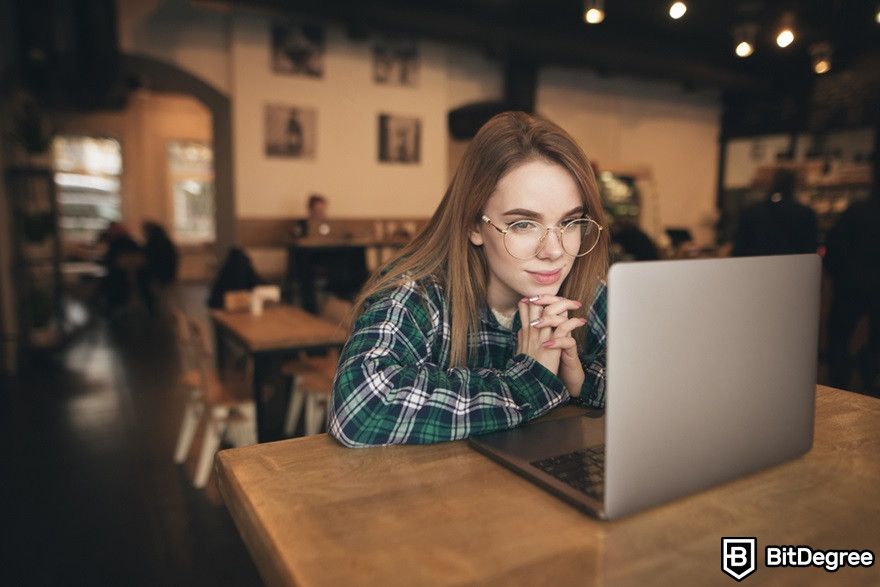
(504, 321)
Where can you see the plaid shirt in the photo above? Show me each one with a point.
(394, 384)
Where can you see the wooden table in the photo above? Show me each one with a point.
(279, 333)
(314, 513)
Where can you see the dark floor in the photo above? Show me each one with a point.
(91, 495)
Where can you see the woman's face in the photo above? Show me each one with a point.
(540, 191)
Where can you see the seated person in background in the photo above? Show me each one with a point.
(125, 262)
(162, 257)
(478, 325)
(779, 225)
(633, 242)
(236, 273)
(317, 213)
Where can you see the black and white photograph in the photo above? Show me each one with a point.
(298, 50)
(396, 63)
(290, 131)
(399, 139)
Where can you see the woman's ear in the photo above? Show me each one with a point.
(476, 237)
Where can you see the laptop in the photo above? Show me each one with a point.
(711, 375)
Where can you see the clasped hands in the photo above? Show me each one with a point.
(545, 335)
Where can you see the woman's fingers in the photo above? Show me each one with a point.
(567, 344)
(564, 329)
(553, 304)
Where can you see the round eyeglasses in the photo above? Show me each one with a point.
(524, 239)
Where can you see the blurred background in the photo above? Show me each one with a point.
(141, 141)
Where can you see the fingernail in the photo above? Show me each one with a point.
(547, 344)
(535, 298)
(535, 322)
(583, 320)
(579, 304)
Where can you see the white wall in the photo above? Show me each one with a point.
(346, 167)
(173, 31)
(627, 124)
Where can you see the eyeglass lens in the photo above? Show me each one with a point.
(525, 238)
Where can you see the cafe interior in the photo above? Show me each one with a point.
(195, 191)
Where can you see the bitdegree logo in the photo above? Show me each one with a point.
(805, 556)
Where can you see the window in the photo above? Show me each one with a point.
(191, 170)
(88, 174)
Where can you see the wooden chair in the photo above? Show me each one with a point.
(313, 376)
(225, 403)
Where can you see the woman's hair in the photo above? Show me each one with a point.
(442, 249)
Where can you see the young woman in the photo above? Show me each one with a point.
(479, 324)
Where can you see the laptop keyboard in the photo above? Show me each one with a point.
(582, 469)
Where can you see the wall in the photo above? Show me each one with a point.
(173, 31)
(144, 129)
(8, 326)
(625, 124)
(346, 167)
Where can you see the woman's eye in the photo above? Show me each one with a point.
(522, 226)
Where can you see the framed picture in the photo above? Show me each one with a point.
(298, 50)
(399, 139)
(396, 63)
(290, 131)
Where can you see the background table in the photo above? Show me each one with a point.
(278, 334)
(314, 513)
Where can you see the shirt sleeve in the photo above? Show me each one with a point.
(387, 390)
(593, 358)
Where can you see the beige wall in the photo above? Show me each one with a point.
(347, 102)
(670, 135)
(173, 31)
(667, 133)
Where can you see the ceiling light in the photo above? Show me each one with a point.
(820, 54)
(594, 11)
(744, 49)
(677, 10)
(877, 14)
(785, 36)
(744, 39)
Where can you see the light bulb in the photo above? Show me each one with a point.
(744, 49)
(677, 10)
(594, 16)
(785, 38)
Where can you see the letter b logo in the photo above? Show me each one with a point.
(738, 557)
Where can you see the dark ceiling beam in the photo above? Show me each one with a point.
(505, 40)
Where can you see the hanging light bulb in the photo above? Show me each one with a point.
(820, 54)
(677, 10)
(744, 39)
(785, 36)
(594, 11)
(877, 14)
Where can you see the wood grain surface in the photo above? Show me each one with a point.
(280, 327)
(315, 513)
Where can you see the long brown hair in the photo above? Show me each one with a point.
(442, 249)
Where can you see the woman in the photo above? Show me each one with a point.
(437, 351)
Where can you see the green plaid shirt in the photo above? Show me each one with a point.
(394, 384)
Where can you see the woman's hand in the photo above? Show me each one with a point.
(553, 312)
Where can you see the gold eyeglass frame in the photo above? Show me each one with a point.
(547, 230)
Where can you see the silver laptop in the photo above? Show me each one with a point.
(711, 374)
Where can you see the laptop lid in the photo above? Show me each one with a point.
(711, 373)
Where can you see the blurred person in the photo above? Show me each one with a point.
(779, 225)
(125, 262)
(237, 273)
(853, 262)
(162, 255)
(477, 325)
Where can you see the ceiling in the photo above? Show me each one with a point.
(637, 37)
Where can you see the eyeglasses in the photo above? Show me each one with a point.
(524, 239)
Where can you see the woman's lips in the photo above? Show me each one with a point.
(545, 277)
